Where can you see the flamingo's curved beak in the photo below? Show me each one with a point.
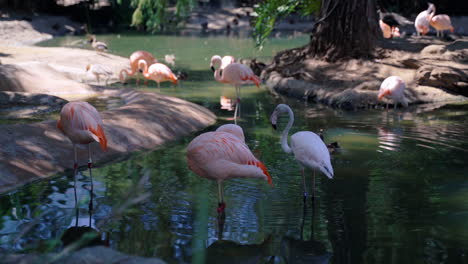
(212, 68)
(274, 126)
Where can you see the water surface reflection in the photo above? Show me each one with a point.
(399, 193)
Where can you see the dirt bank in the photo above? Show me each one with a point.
(433, 73)
(146, 121)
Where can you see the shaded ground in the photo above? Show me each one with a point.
(18, 29)
(433, 73)
(33, 151)
(147, 120)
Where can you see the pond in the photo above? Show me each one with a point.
(398, 196)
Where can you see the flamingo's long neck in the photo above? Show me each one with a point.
(284, 137)
(217, 73)
(126, 73)
(145, 68)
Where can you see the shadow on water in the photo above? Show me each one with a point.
(399, 193)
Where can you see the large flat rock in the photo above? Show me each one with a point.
(146, 120)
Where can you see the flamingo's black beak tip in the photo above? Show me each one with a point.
(212, 68)
(274, 126)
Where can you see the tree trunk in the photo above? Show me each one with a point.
(345, 29)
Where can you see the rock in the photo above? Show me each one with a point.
(455, 80)
(411, 63)
(9, 99)
(144, 122)
(433, 50)
(14, 105)
(90, 255)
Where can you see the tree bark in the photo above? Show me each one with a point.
(345, 29)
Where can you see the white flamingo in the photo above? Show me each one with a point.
(307, 147)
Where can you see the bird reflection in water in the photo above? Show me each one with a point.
(227, 103)
(85, 235)
(226, 251)
(304, 251)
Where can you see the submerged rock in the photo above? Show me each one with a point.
(91, 255)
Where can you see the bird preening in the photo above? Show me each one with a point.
(222, 155)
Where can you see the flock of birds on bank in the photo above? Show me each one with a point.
(223, 154)
(389, 25)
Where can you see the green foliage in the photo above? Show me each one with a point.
(270, 10)
(154, 15)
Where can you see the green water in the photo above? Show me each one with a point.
(399, 193)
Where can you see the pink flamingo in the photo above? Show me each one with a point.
(440, 23)
(389, 32)
(422, 22)
(235, 74)
(82, 124)
(226, 60)
(393, 87)
(307, 147)
(222, 155)
(134, 58)
(226, 103)
(157, 72)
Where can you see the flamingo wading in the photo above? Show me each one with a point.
(307, 147)
(134, 58)
(222, 155)
(82, 124)
(393, 87)
(233, 73)
(157, 72)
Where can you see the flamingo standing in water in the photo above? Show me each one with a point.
(235, 74)
(157, 72)
(440, 23)
(307, 147)
(393, 87)
(134, 58)
(82, 124)
(222, 155)
(421, 23)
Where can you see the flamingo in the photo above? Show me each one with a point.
(422, 22)
(222, 155)
(233, 73)
(393, 87)
(388, 31)
(97, 45)
(98, 70)
(157, 72)
(226, 103)
(307, 147)
(82, 124)
(440, 23)
(134, 58)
